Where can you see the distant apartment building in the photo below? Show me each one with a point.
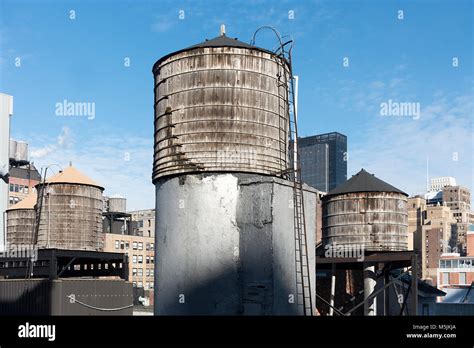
(140, 252)
(455, 270)
(22, 181)
(133, 233)
(437, 184)
(323, 160)
(458, 199)
(437, 235)
(434, 197)
(435, 191)
(143, 222)
(430, 232)
(444, 191)
(416, 218)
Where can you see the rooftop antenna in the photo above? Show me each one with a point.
(427, 175)
(222, 29)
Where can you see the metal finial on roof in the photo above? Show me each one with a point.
(70, 163)
(222, 29)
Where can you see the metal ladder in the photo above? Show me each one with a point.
(39, 207)
(303, 280)
(304, 300)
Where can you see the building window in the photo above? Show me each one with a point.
(140, 246)
(445, 278)
(462, 278)
(127, 245)
(117, 243)
(12, 188)
(11, 200)
(140, 259)
(152, 272)
(134, 258)
(151, 259)
(151, 285)
(140, 284)
(16, 188)
(135, 245)
(27, 189)
(134, 272)
(147, 273)
(152, 246)
(147, 259)
(134, 284)
(147, 285)
(122, 245)
(140, 272)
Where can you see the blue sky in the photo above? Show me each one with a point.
(405, 60)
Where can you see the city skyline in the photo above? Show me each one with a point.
(357, 64)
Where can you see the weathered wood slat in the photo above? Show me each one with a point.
(376, 220)
(71, 217)
(220, 109)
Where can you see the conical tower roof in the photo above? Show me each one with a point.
(219, 41)
(70, 175)
(364, 182)
(26, 203)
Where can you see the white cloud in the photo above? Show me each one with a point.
(396, 148)
(122, 165)
(64, 140)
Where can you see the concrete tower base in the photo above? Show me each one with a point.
(225, 245)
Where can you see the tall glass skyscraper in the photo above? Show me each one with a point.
(323, 160)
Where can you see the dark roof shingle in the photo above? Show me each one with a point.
(25, 173)
(364, 182)
(219, 41)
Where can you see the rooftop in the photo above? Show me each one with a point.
(364, 182)
(71, 175)
(26, 203)
(459, 294)
(219, 41)
(25, 173)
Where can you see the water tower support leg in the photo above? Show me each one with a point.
(333, 289)
(386, 292)
(414, 285)
(369, 286)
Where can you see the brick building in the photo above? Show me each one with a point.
(135, 237)
(458, 199)
(456, 270)
(22, 181)
(140, 251)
